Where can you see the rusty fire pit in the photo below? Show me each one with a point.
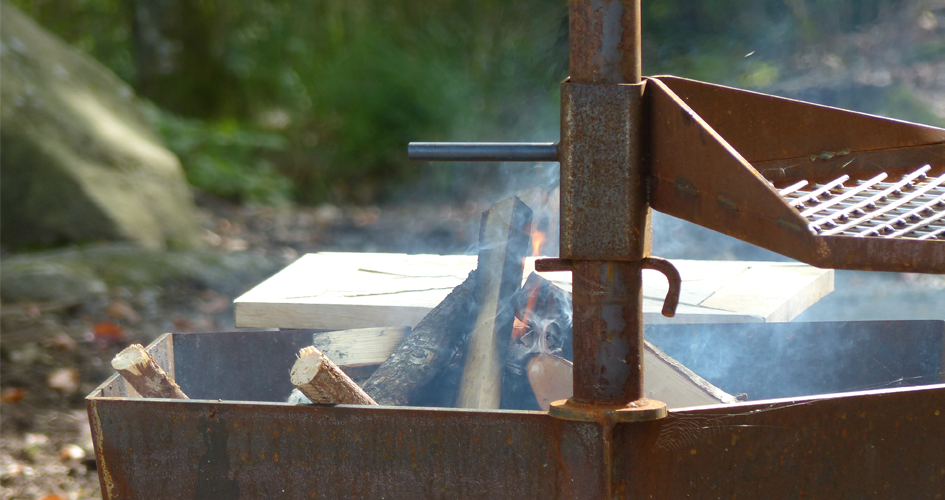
(829, 187)
(225, 443)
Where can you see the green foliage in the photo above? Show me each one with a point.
(223, 158)
(101, 28)
(347, 83)
(709, 39)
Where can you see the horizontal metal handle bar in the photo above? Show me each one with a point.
(483, 151)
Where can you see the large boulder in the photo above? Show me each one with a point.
(79, 162)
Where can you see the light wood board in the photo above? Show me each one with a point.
(338, 291)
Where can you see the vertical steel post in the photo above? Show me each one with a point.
(605, 230)
(605, 41)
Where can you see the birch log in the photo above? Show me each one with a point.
(322, 382)
(144, 374)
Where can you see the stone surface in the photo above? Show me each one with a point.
(79, 162)
(76, 275)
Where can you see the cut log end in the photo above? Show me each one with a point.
(133, 359)
(141, 371)
(321, 381)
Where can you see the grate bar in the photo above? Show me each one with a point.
(911, 205)
(793, 187)
(918, 225)
(814, 194)
(933, 234)
(837, 199)
(893, 205)
(874, 231)
(871, 200)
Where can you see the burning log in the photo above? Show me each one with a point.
(144, 374)
(427, 351)
(503, 245)
(322, 382)
(545, 311)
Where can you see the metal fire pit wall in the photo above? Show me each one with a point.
(879, 443)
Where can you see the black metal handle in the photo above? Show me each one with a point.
(483, 151)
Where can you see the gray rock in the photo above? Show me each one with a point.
(76, 275)
(79, 162)
(44, 280)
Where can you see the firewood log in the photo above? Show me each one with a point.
(144, 374)
(426, 352)
(322, 382)
(503, 245)
(547, 310)
(362, 346)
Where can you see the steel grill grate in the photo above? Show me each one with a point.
(912, 206)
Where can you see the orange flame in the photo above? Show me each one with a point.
(538, 239)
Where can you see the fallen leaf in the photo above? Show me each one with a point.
(234, 244)
(32, 311)
(61, 342)
(64, 380)
(12, 395)
(15, 469)
(213, 239)
(184, 325)
(33, 440)
(108, 332)
(71, 452)
(195, 325)
(214, 305)
(119, 309)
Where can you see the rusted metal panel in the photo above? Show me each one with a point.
(879, 444)
(228, 450)
(604, 41)
(697, 176)
(604, 213)
(780, 360)
(881, 254)
(763, 127)
(826, 166)
(208, 364)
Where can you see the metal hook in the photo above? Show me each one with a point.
(675, 282)
(655, 263)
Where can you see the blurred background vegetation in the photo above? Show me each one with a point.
(310, 101)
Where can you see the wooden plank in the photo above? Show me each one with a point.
(503, 245)
(364, 346)
(666, 380)
(338, 291)
(775, 292)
